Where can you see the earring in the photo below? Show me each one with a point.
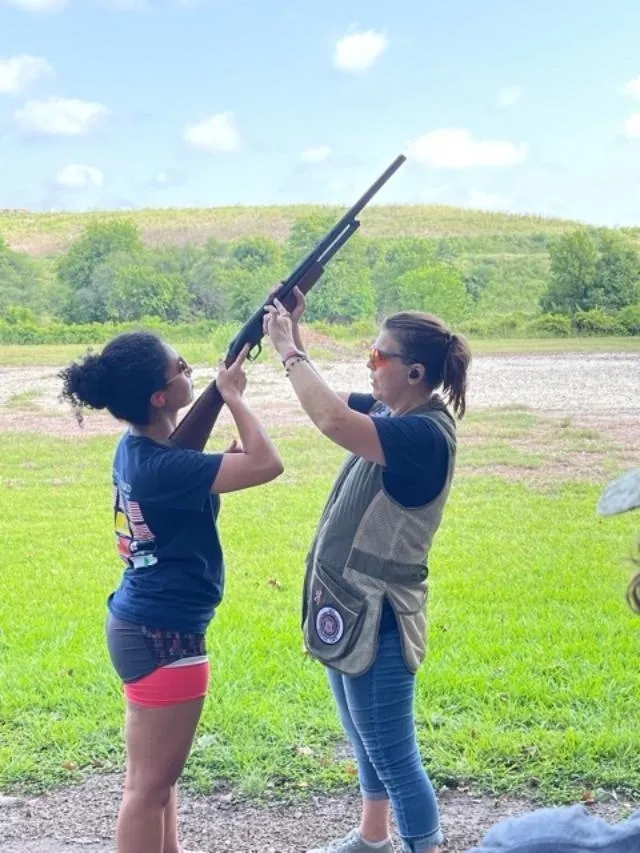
(414, 373)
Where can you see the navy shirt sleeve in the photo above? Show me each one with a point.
(362, 403)
(180, 479)
(415, 448)
(417, 456)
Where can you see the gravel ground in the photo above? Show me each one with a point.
(602, 390)
(597, 388)
(81, 820)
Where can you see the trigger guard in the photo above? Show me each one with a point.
(257, 349)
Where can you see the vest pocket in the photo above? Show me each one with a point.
(334, 614)
(408, 598)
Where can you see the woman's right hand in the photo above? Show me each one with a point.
(295, 315)
(231, 381)
(300, 303)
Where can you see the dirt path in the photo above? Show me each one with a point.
(81, 819)
(598, 388)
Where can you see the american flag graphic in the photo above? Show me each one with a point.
(135, 541)
(138, 527)
(134, 512)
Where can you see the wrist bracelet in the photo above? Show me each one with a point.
(294, 359)
(294, 353)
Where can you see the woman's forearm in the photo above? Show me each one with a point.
(323, 405)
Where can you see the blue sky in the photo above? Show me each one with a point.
(524, 105)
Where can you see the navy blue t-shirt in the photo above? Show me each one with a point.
(165, 525)
(415, 449)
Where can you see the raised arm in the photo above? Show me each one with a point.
(327, 409)
(257, 460)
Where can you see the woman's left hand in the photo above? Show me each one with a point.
(278, 326)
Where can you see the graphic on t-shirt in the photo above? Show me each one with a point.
(135, 542)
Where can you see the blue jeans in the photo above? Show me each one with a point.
(376, 710)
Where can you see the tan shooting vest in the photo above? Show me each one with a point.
(368, 547)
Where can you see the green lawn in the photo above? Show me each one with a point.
(55, 355)
(531, 683)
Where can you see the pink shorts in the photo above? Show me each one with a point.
(158, 667)
(170, 685)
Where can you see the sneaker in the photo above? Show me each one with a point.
(353, 843)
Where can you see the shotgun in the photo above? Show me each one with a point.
(194, 429)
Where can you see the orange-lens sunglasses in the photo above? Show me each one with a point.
(379, 357)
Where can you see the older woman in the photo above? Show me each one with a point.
(365, 591)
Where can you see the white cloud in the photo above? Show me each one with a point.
(510, 95)
(457, 149)
(315, 155)
(76, 176)
(19, 72)
(632, 88)
(632, 126)
(481, 200)
(358, 51)
(218, 133)
(36, 5)
(166, 178)
(60, 116)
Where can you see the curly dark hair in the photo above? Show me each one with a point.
(122, 378)
(446, 356)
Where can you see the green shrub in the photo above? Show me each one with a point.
(629, 319)
(99, 333)
(437, 288)
(497, 325)
(18, 315)
(550, 326)
(597, 322)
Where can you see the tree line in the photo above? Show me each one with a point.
(586, 281)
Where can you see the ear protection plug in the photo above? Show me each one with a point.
(414, 373)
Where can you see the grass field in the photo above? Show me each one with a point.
(48, 233)
(55, 355)
(531, 683)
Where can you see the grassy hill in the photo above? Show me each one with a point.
(505, 254)
(44, 234)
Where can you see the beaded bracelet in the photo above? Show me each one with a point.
(291, 353)
(294, 359)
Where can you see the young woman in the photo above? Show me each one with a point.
(166, 502)
(365, 592)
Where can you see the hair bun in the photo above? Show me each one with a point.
(87, 383)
